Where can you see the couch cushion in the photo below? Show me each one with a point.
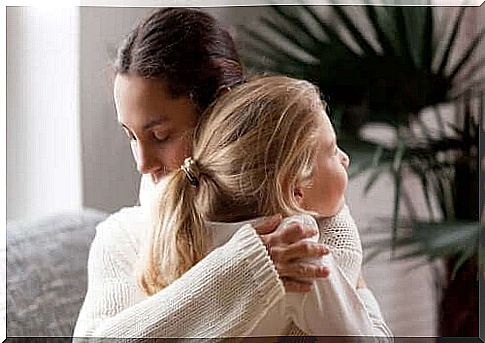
(46, 272)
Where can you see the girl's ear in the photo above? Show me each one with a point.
(298, 193)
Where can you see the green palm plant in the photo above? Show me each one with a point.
(400, 66)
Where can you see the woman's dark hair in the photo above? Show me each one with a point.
(185, 48)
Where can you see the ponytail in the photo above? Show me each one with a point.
(177, 241)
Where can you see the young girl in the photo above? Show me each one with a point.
(169, 69)
(265, 147)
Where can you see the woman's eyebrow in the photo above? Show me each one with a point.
(153, 123)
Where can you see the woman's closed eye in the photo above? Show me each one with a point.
(160, 136)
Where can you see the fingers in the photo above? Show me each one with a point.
(298, 250)
(295, 232)
(288, 235)
(287, 247)
(268, 225)
(296, 286)
(301, 270)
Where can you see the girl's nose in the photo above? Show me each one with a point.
(345, 159)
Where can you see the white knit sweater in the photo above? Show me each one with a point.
(234, 291)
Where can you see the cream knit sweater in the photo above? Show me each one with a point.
(234, 291)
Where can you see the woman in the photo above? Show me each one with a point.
(168, 71)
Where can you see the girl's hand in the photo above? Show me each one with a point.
(285, 248)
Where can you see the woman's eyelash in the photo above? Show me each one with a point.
(160, 137)
(130, 136)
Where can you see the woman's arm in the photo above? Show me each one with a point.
(225, 294)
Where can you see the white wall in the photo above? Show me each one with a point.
(109, 175)
(43, 146)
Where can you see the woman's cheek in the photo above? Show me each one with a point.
(177, 152)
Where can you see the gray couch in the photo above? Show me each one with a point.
(46, 272)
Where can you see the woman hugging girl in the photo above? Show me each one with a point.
(225, 154)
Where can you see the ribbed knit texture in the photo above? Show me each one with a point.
(341, 235)
(236, 282)
(234, 291)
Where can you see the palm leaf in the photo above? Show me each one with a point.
(428, 48)
(294, 21)
(269, 46)
(432, 240)
(356, 34)
(392, 85)
(382, 38)
(331, 34)
(290, 37)
(415, 25)
(405, 49)
(376, 172)
(466, 56)
(473, 70)
(450, 42)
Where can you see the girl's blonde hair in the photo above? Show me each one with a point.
(251, 148)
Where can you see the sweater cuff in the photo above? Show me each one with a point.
(264, 274)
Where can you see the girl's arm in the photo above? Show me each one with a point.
(225, 294)
(334, 307)
(379, 326)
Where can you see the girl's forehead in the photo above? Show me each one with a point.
(326, 129)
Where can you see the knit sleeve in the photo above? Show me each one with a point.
(333, 307)
(379, 325)
(224, 295)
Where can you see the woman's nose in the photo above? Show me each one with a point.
(146, 161)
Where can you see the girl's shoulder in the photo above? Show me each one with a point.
(340, 229)
(341, 235)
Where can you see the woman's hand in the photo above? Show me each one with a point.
(285, 247)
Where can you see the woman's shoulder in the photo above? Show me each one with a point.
(115, 249)
(124, 228)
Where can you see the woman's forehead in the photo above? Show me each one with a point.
(144, 102)
(138, 90)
